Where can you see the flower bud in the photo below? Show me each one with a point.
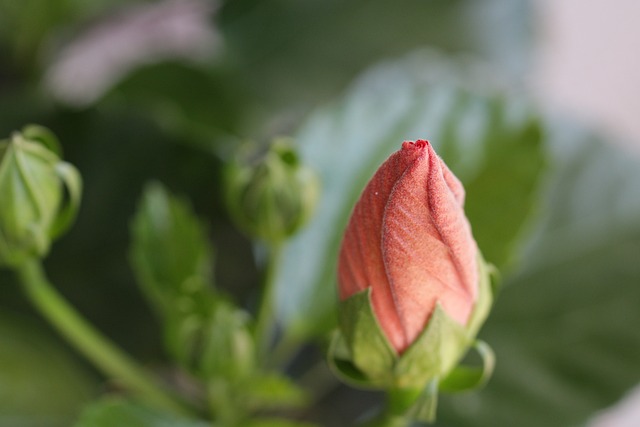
(409, 262)
(34, 208)
(229, 349)
(272, 196)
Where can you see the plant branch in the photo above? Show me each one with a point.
(107, 357)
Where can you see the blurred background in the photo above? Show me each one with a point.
(533, 103)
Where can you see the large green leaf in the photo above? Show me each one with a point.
(490, 142)
(565, 330)
(40, 384)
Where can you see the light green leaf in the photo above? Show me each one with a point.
(119, 413)
(565, 329)
(40, 384)
(421, 96)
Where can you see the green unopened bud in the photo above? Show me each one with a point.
(272, 196)
(229, 350)
(34, 208)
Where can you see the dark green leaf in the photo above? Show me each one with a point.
(120, 413)
(565, 329)
(421, 96)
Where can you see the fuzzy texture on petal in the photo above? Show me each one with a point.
(409, 240)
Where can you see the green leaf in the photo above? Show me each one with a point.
(172, 259)
(274, 422)
(40, 384)
(170, 252)
(118, 413)
(420, 96)
(565, 329)
(273, 391)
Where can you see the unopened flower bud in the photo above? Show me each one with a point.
(229, 350)
(34, 207)
(272, 196)
(409, 272)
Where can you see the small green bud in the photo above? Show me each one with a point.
(272, 196)
(229, 349)
(34, 208)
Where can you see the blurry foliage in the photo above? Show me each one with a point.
(40, 384)
(563, 328)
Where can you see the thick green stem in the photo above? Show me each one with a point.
(265, 324)
(112, 361)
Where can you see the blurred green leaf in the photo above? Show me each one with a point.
(491, 142)
(119, 413)
(40, 384)
(170, 251)
(172, 259)
(274, 391)
(274, 422)
(565, 330)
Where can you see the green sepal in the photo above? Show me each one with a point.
(72, 180)
(361, 355)
(487, 286)
(44, 136)
(339, 360)
(464, 378)
(434, 353)
(370, 351)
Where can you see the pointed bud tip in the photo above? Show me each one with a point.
(415, 145)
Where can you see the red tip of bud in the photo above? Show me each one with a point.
(419, 144)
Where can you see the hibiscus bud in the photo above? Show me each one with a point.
(410, 274)
(34, 207)
(272, 195)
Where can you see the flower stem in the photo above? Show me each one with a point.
(265, 324)
(401, 409)
(87, 340)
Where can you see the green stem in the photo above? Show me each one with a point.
(401, 409)
(87, 340)
(265, 319)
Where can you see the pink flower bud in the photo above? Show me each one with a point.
(408, 240)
